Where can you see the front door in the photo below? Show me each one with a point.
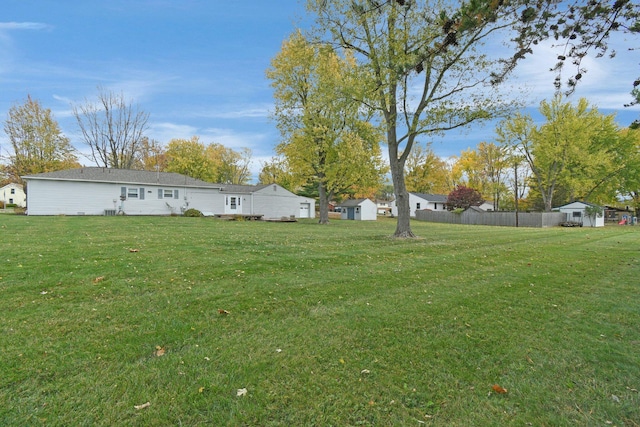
(232, 205)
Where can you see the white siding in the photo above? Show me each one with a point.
(59, 197)
(275, 201)
(13, 193)
(47, 197)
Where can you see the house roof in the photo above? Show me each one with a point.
(438, 198)
(350, 203)
(579, 202)
(124, 176)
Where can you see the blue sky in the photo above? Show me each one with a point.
(198, 67)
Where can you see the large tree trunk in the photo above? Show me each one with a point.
(403, 226)
(323, 198)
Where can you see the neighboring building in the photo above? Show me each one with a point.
(575, 212)
(384, 207)
(13, 194)
(486, 206)
(104, 191)
(420, 201)
(358, 209)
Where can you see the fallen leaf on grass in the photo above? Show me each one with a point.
(221, 311)
(241, 392)
(143, 406)
(498, 389)
(98, 279)
(160, 351)
(134, 250)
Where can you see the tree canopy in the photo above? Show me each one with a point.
(424, 66)
(326, 140)
(38, 145)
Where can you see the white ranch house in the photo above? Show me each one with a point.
(13, 194)
(420, 201)
(359, 210)
(104, 191)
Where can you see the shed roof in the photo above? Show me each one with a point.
(350, 203)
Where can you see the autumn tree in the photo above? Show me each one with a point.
(276, 171)
(151, 156)
(113, 129)
(463, 197)
(229, 166)
(37, 143)
(189, 157)
(211, 163)
(426, 172)
(574, 149)
(483, 168)
(425, 67)
(325, 139)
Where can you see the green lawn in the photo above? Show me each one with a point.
(327, 325)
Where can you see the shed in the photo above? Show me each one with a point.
(359, 210)
(576, 214)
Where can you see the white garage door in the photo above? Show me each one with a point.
(304, 210)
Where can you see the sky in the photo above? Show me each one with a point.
(198, 68)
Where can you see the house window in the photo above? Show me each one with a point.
(577, 214)
(10, 201)
(13, 191)
(417, 205)
(132, 193)
(233, 203)
(168, 194)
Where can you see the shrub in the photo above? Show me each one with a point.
(192, 213)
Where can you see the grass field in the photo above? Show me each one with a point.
(192, 321)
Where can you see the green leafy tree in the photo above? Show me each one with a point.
(425, 69)
(276, 170)
(426, 172)
(229, 166)
(189, 157)
(573, 150)
(325, 139)
(38, 145)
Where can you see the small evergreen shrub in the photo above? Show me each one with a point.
(192, 213)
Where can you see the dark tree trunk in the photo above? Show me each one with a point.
(323, 198)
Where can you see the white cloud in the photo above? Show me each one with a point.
(257, 111)
(165, 131)
(24, 26)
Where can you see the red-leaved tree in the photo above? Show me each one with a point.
(463, 197)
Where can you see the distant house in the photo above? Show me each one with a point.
(13, 194)
(576, 213)
(104, 191)
(420, 201)
(359, 210)
(384, 207)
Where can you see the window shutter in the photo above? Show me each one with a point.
(175, 194)
(159, 193)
